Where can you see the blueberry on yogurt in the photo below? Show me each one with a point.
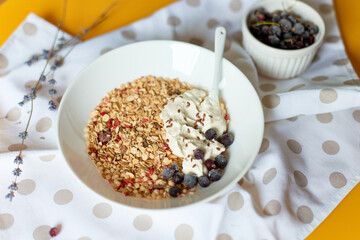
(220, 161)
(190, 180)
(214, 175)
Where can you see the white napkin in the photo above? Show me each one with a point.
(306, 166)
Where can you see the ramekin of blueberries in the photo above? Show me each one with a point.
(282, 41)
(214, 167)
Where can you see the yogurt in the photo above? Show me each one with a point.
(186, 119)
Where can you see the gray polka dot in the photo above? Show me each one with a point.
(193, 3)
(294, 146)
(292, 119)
(264, 145)
(17, 147)
(352, 82)
(341, 62)
(47, 158)
(84, 238)
(320, 78)
(105, 50)
(271, 101)
(331, 147)
(272, 208)
(196, 41)
(235, 5)
(184, 232)
(228, 44)
(332, 39)
(296, 87)
(4, 62)
(63, 196)
(42, 233)
(6, 221)
(224, 236)
(212, 23)
(59, 99)
(267, 87)
(29, 29)
(269, 175)
(13, 114)
(324, 117)
(102, 210)
(300, 179)
(44, 124)
(26, 186)
(32, 84)
(305, 214)
(235, 201)
(173, 21)
(237, 36)
(337, 180)
(129, 35)
(328, 95)
(356, 115)
(325, 8)
(143, 222)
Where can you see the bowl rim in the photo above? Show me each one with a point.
(289, 52)
(224, 190)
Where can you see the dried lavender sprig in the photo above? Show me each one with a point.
(75, 40)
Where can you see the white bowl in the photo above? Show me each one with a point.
(279, 63)
(172, 59)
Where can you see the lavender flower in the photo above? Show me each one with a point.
(21, 103)
(29, 62)
(13, 187)
(26, 98)
(52, 91)
(17, 172)
(52, 107)
(43, 78)
(18, 160)
(53, 68)
(32, 93)
(52, 81)
(57, 63)
(10, 195)
(34, 58)
(23, 135)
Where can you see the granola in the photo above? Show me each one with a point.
(126, 139)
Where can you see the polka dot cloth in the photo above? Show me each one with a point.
(305, 166)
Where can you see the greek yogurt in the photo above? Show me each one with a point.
(186, 119)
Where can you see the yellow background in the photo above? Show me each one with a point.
(343, 222)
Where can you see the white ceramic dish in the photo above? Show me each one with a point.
(278, 63)
(172, 59)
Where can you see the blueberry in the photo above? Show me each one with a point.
(292, 19)
(175, 166)
(287, 35)
(209, 164)
(298, 29)
(168, 172)
(299, 44)
(227, 139)
(274, 40)
(313, 29)
(275, 18)
(275, 30)
(174, 191)
(210, 134)
(214, 175)
(306, 35)
(285, 25)
(204, 181)
(284, 14)
(190, 180)
(178, 177)
(199, 153)
(220, 161)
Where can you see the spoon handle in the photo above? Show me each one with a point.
(220, 36)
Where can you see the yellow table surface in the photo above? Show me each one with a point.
(343, 222)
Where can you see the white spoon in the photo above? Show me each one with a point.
(220, 36)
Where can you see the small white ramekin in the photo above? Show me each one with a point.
(279, 63)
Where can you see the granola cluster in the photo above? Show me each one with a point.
(126, 137)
